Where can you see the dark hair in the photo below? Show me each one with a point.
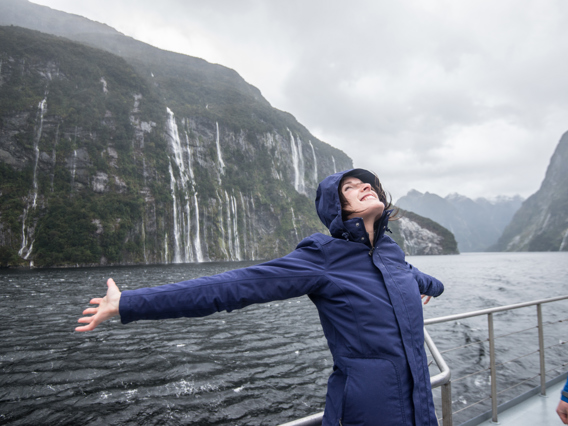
(372, 179)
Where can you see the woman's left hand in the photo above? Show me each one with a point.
(427, 298)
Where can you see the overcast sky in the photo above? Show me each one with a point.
(442, 96)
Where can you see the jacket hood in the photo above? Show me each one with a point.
(328, 204)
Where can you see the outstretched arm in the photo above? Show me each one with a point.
(108, 308)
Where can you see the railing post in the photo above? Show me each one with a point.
(447, 404)
(541, 350)
(492, 366)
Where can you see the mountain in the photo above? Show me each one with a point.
(101, 163)
(541, 224)
(116, 152)
(418, 235)
(476, 224)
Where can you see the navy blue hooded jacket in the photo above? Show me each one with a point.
(368, 302)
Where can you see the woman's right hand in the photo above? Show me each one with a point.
(108, 308)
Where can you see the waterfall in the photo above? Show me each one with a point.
(230, 244)
(244, 215)
(73, 169)
(144, 243)
(298, 163)
(220, 158)
(177, 254)
(236, 242)
(24, 236)
(41, 107)
(294, 222)
(334, 167)
(220, 221)
(188, 246)
(196, 238)
(25, 251)
(166, 248)
(315, 165)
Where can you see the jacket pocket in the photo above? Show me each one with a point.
(373, 394)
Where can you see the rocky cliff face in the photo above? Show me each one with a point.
(115, 152)
(99, 167)
(418, 235)
(541, 224)
(476, 224)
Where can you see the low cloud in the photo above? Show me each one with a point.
(443, 97)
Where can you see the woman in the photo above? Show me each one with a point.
(367, 296)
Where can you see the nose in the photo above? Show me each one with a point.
(365, 187)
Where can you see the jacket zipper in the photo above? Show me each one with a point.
(371, 251)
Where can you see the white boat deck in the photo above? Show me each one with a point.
(535, 411)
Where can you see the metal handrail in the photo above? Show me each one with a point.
(493, 366)
(443, 379)
(491, 310)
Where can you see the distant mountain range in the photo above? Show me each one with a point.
(476, 224)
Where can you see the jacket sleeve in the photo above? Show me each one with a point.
(427, 284)
(301, 272)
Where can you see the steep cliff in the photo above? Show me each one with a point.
(541, 224)
(100, 164)
(122, 153)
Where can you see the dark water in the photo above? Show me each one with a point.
(266, 364)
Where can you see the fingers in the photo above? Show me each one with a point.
(90, 324)
(87, 320)
(100, 313)
(422, 296)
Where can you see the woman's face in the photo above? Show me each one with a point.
(361, 199)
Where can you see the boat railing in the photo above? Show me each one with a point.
(443, 378)
(447, 413)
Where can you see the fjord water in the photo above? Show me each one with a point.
(265, 364)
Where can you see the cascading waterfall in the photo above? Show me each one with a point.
(41, 107)
(294, 222)
(73, 169)
(25, 251)
(315, 164)
(334, 167)
(177, 254)
(166, 248)
(298, 163)
(187, 246)
(236, 241)
(244, 215)
(220, 221)
(229, 224)
(144, 243)
(196, 238)
(230, 244)
(221, 164)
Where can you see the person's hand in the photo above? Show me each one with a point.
(562, 411)
(108, 308)
(427, 298)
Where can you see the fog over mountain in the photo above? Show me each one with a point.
(463, 96)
